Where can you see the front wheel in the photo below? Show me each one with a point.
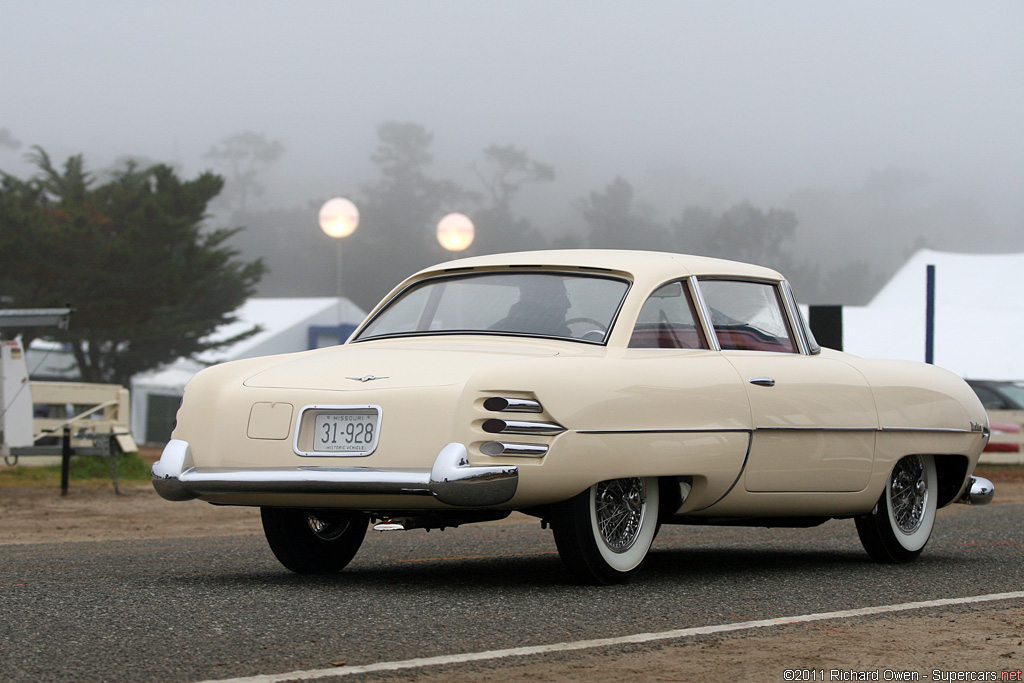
(899, 526)
(604, 533)
(313, 541)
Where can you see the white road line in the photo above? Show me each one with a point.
(604, 642)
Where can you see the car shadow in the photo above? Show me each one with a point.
(677, 567)
(675, 562)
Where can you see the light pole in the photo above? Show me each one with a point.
(455, 232)
(339, 218)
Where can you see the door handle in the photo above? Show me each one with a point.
(763, 381)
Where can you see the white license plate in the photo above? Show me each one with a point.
(353, 431)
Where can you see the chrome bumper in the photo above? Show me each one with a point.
(979, 491)
(452, 480)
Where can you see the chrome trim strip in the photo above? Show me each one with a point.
(816, 429)
(704, 313)
(915, 430)
(451, 480)
(933, 430)
(936, 430)
(663, 431)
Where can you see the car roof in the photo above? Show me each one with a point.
(637, 265)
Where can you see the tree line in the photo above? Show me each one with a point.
(133, 252)
(148, 282)
(399, 212)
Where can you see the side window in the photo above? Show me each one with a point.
(668, 321)
(748, 316)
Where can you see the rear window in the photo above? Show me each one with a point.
(580, 307)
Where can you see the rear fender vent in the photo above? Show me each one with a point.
(538, 427)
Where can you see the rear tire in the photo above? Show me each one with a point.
(313, 541)
(603, 534)
(901, 523)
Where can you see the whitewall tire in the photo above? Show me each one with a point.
(604, 534)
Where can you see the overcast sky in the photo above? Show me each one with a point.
(695, 101)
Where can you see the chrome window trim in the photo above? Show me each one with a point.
(704, 314)
(797, 320)
(780, 291)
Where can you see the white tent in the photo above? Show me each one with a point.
(286, 327)
(979, 315)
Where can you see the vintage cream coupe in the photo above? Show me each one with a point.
(605, 392)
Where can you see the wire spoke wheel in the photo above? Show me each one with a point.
(604, 533)
(900, 524)
(909, 494)
(619, 508)
(327, 529)
(308, 542)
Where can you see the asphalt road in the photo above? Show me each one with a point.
(213, 608)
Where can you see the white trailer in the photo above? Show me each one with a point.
(56, 419)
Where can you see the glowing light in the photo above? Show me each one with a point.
(339, 217)
(455, 232)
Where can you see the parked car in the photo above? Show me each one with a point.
(999, 395)
(604, 392)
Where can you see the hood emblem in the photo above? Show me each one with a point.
(366, 378)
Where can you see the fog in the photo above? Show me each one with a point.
(879, 124)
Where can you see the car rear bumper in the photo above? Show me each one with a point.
(451, 480)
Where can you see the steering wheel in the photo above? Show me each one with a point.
(594, 335)
(600, 325)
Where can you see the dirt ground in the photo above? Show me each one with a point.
(929, 644)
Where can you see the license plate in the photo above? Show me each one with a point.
(353, 431)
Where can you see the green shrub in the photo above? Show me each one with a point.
(129, 466)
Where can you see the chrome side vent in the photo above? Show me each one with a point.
(495, 426)
(532, 421)
(528, 450)
(503, 404)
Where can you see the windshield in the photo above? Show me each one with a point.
(1015, 392)
(537, 303)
